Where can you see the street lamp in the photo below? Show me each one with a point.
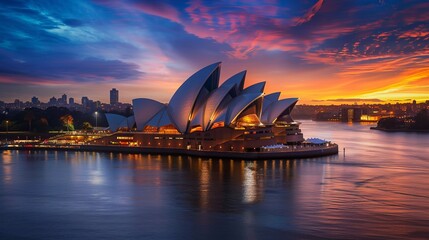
(7, 129)
(96, 120)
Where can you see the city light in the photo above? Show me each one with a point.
(96, 120)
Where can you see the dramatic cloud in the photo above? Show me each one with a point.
(65, 67)
(331, 51)
(310, 14)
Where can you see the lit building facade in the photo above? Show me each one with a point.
(205, 115)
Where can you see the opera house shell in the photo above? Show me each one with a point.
(205, 115)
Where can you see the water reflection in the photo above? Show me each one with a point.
(7, 168)
(378, 189)
(204, 180)
(205, 184)
(250, 186)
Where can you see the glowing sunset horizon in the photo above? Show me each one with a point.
(324, 52)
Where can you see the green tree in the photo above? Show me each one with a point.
(390, 123)
(86, 126)
(29, 116)
(42, 125)
(421, 120)
(67, 121)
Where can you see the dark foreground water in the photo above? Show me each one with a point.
(379, 189)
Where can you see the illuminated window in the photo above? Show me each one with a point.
(150, 129)
(124, 138)
(196, 129)
(169, 129)
(248, 120)
(218, 125)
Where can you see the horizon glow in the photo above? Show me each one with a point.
(322, 52)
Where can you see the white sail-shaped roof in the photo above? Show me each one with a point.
(117, 121)
(154, 121)
(131, 121)
(165, 119)
(268, 100)
(114, 121)
(198, 117)
(216, 100)
(145, 109)
(255, 88)
(239, 104)
(199, 102)
(221, 116)
(192, 92)
(278, 109)
(160, 119)
(237, 80)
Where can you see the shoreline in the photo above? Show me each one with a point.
(297, 153)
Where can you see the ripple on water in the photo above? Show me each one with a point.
(378, 189)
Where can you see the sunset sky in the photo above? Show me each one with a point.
(322, 52)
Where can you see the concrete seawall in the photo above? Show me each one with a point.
(299, 153)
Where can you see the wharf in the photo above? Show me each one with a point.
(292, 153)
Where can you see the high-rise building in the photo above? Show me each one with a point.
(17, 103)
(353, 114)
(35, 100)
(63, 99)
(114, 96)
(85, 101)
(53, 101)
(414, 106)
(71, 101)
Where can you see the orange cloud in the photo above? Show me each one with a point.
(310, 14)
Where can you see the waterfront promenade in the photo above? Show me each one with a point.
(298, 151)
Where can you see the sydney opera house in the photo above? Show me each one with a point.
(205, 115)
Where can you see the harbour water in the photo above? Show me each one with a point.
(378, 188)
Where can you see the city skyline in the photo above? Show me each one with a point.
(78, 100)
(322, 51)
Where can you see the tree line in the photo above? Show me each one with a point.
(418, 122)
(50, 119)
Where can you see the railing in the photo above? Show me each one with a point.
(297, 148)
